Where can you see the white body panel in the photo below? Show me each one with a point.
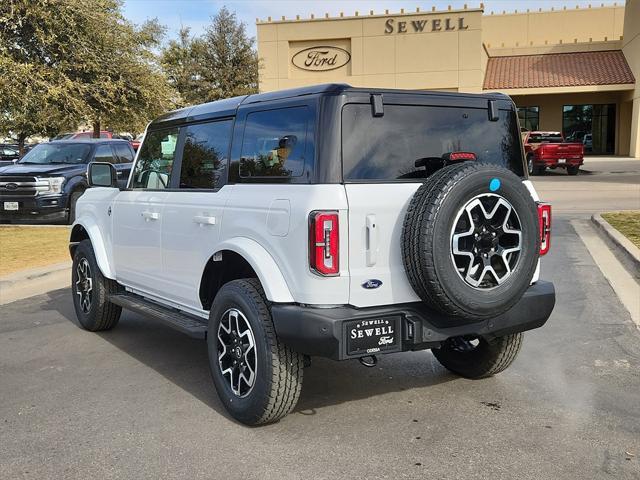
(158, 243)
(258, 212)
(376, 215)
(137, 231)
(191, 224)
(92, 212)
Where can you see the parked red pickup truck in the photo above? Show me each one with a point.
(549, 150)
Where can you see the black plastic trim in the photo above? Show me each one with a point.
(320, 332)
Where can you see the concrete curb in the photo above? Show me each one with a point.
(36, 281)
(627, 252)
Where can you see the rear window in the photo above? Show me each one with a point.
(386, 148)
(274, 143)
(544, 138)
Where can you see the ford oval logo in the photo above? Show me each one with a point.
(321, 59)
(370, 284)
(11, 186)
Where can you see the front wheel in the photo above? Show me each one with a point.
(258, 378)
(91, 290)
(477, 357)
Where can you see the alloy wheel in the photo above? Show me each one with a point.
(84, 284)
(237, 352)
(486, 241)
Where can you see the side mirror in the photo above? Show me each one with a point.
(102, 174)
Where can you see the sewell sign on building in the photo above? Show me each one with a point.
(418, 26)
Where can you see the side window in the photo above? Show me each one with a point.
(104, 154)
(124, 153)
(155, 160)
(274, 143)
(204, 155)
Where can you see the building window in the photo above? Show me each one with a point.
(529, 118)
(592, 125)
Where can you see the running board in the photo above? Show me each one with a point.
(191, 325)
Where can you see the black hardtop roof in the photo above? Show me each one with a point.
(229, 106)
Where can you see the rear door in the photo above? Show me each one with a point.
(381, 177)
(192, 215)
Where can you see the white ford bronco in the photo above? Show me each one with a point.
(322, 221)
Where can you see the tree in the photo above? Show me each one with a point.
(180, 60)
(36, 97)
(219, 64)
(67, 62)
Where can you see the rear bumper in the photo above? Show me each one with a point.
(321, 331)
(554, 162)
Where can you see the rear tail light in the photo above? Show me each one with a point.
(544, 220)
(459, 156)
(323, 242)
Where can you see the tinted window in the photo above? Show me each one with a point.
(155, 160)
(387, 147)
(124, 153)
(104, 154)
(274, 143)
(205, 154)
(529, 117)
(47, 153)
(545, 138)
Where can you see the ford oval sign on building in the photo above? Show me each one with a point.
(322, 58)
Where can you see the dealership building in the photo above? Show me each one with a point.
(575, 70)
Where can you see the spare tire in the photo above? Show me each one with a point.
(470, 240)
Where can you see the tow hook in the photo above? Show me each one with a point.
(369, 361)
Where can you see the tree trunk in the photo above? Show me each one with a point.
(96, 128)
(21, 138)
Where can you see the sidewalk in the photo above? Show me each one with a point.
(35, 281)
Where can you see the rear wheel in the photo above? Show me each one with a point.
(530, 167)
(573, 169)
(258, 378)
(477, 357)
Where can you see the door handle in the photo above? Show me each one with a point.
(150, 215)
(204, 220)
(371, 247)
(118, 173)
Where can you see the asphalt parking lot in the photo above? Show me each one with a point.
(138, 402)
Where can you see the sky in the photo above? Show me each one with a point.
(196, 13)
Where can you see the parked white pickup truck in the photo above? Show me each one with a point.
(322, 221)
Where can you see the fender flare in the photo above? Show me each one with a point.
(99, 248)
(270, 276)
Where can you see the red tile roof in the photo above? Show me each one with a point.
(558, 70)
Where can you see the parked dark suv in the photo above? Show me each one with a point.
(46, 183)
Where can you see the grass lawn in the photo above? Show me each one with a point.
(627, 223)
(23, 247)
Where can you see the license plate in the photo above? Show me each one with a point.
(373, 335)
(11, 205)
(562, 160)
